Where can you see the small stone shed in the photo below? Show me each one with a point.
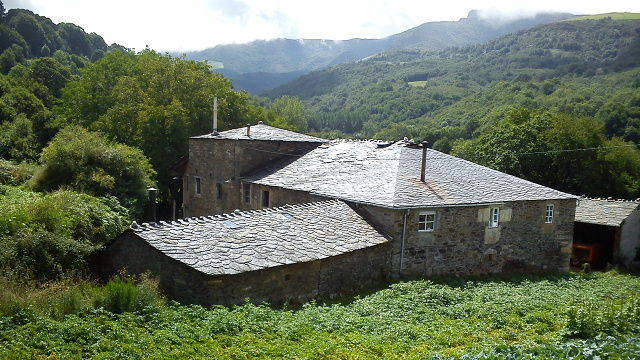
(291, 253)
(610, 227)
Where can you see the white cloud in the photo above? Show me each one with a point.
(196, 24)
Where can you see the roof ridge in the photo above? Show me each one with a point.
(610, 199)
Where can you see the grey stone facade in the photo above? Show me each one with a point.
(295, 283)
(219, 164)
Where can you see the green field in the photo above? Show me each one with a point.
(613, 16)
(555, 316)
(418, 83)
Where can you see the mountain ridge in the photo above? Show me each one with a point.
(264, 58)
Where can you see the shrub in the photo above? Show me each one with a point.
(44, 236)
(121, 295)
(15, 173)
(85, 161)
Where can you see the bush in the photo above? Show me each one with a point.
(46, 236)
(15, 173)
(85, 161)
(123, 295)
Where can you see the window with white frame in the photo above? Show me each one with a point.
(548, 216)
(427, 221)
(198, 186)
(494, 217)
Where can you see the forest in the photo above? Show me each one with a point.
(86, 128)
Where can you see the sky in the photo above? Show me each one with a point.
(185, 25)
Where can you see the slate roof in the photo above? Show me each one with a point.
(254, 240)
(262, 132)
(604, 212)
(364, 172)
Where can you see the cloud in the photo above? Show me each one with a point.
(18, 4)
(230, 8)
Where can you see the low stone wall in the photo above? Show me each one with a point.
(295, 284)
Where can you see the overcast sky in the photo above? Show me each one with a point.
(196, 24)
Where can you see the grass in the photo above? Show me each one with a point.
(421, 83)
(613, 16)
(550, 316)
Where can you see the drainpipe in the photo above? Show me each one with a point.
(404, 234)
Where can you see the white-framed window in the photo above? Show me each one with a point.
(198, 185)
(494, 218)
(548, 215)
(427, 221)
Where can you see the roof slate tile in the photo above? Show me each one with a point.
(264, 239)
(389, 176)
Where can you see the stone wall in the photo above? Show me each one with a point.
(627, 252)
(219, 163)
(295, 284)
(277, 197)
(463, 243)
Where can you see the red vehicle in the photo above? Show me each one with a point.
(588, 253)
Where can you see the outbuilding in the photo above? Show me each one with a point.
(607, 232)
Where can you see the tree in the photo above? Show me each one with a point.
(153, 102)
(86, 161)
(51, 73)
(292, 109)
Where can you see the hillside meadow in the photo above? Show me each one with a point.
(550, 316)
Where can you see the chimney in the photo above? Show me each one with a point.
(215, 116)
(248, 129)
(153, 192)
(424, 160)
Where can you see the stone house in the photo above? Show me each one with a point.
(611, 229)
(292, 253)
(439, 215)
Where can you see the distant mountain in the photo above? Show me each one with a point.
(426, 89)
(268, 61)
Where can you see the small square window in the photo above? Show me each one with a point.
(427, 221)
(548, 216)
(246, 193)
(495, 217)
(198, 186)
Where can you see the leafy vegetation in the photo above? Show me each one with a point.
(85, 161)
(45, 236)
(562, 316)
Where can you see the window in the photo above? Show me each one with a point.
(548, 216)
(495, 217)
(427, 221)
(265, 198)
(246, 193)
(218, 191)
(198, 186)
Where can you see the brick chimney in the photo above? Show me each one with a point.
(248, 129)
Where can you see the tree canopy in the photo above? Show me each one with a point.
(86, 161)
